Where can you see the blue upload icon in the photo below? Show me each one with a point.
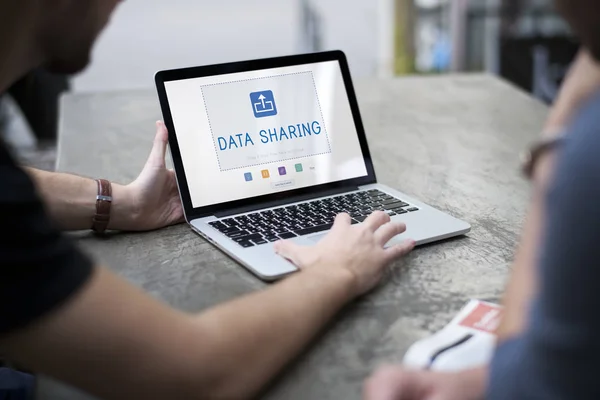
(263, 104)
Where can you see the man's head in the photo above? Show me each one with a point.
(58, 33)
(584, 17)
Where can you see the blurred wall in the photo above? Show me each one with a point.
(352, 25)
(148, 35)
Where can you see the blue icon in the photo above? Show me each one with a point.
(248, 176)
(263, 104)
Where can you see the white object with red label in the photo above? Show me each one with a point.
(468, 341)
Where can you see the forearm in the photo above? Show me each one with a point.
(270, 329)
(71, 200)
(522, 287)
(112, 332)
(582, 80)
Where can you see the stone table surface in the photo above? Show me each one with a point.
(450, 141)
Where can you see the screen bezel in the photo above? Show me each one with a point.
(191, 213)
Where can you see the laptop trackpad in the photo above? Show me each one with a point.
(317, 238)
(395, 240)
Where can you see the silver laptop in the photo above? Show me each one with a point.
(274, 149)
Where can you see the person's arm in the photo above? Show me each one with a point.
(115, 342)
(71, 200)
(582, 81)
(556, 356)
(150, 202)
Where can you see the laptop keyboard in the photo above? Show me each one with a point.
(303, 219)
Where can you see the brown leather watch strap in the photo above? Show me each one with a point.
(103, 202)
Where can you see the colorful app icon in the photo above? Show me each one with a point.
(282, 171)
(299, 168)
(265, 173)
(248, 176)
(263, 103)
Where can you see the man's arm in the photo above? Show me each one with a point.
(117, 343)
(71, 200)
(113, 341)
(150, 202)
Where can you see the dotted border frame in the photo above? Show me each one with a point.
(254, 79)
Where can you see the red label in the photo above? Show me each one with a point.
(484, 317)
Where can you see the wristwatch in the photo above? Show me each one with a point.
(103, 202)
(530, 157)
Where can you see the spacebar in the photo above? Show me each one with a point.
(313, 229)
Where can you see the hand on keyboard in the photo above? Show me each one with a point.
(355, 249)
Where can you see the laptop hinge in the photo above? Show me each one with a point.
(283, 202)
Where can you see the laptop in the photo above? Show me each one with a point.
(274, 149)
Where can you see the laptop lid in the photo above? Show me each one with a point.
(248, 133)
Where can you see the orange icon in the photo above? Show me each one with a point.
(265, 173)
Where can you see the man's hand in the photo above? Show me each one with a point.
(154, 197)
(357, 250)
(396, 383)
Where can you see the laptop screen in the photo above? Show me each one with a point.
(255, 133)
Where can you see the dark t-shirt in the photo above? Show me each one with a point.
(558, 356)
(39, 267)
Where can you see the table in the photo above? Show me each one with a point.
(451, 141)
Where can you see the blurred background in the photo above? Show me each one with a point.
(522, 41)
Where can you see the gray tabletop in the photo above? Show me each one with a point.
(451, 141)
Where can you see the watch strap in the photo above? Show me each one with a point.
(103, 203)
(531, 157)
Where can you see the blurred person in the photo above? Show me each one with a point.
(78, 322)
(547, 341)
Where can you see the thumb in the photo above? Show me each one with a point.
(159, 148)
(290, 251)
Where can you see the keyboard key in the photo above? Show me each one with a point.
(218, 225)
(412, 209)
(391, 200)
(271, 238)
(230, 230)
(287, 235)
(314, 229)
(237, 234)
(394, 205)
(248, 238)
(246, 244)
(361, 219)
(261, 241)
(399, 211)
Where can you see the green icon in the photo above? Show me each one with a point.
(299, 168)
